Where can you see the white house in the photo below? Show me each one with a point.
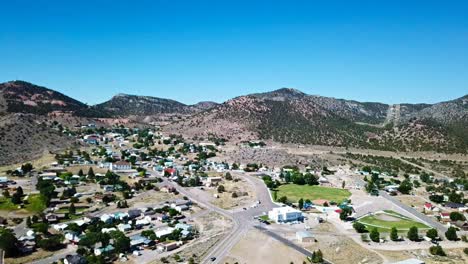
(124, 227)
(108, 230)
(284, 214)
(164, 232)
(60, 227)
(72, 237)
(106, 218)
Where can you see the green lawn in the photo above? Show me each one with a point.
(7, 205)
(295, 192)
(35, 204)
(403, 225)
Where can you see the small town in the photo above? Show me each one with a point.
(234, 132)
(131, 195)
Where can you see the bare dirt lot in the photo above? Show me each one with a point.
(339, 248)
(242, 188)
(413, 201)
(249, 250)
(454, 256)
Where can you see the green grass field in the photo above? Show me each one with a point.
(402, 225)
(7, 205)
(295, 192)
(35, 204)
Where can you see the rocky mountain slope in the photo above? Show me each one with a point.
(284, 115)
(288, 115)
(24, 97)
(125, 105)
(134, 105)
(26, 136)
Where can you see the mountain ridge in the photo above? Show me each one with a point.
(283, 115)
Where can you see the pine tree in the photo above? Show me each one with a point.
(91, 173)
(413, 234)
(301, 203)
(317, 256)
(72, 209)
(394, 234)
(19, 190)
(374, 235)
(451, 234)
(432, 233)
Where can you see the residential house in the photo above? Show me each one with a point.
(124, 227)
(139, 240)
(170, 172)
(168, 246)
(106, 218)
(164, 232)
(52, 218)
(121, 215)
(463, 225)
(134, 213)
(428, 207)
(143, 222)
(454, 205)
(72, 237)
(83, 221)
(186, 229)
(180, 202)
(91, 139)
(445, 217)
(60, 227)
(160, 217)
(108, 230)
(100, 250)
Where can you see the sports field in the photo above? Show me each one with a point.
(385, 220)
(295, 192)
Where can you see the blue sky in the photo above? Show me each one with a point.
(401, 51)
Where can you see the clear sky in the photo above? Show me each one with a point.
(401, 51)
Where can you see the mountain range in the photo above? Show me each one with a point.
(283, 115)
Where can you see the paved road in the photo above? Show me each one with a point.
(57, 255)
(227, 240)
(244, 219)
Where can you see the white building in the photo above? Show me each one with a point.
(164, 232)
(284, 214)
(120, 166)
(304, 236)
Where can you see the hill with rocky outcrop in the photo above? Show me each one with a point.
(285, 115)
(288, 115)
